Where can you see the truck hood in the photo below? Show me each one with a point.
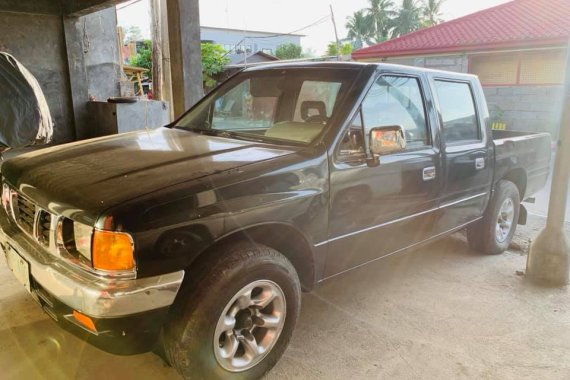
(82, 179)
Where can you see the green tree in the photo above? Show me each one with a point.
(143, 58)
(380, 14)
(408, 18)
(359, 29)
(288, 51)
(431, 13)
(214, 58)
(345, 49)
(133, 33)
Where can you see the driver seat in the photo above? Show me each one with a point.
(308, 113)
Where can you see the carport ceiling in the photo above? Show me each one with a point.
(57, 7)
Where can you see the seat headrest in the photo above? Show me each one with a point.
(309, 105)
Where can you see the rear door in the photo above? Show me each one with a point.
(379, 210)
(468, 155)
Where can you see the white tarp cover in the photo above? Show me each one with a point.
(24, 114)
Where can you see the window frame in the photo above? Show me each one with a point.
(362, 156)
(480, 132)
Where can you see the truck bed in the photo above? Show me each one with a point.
(531, 151)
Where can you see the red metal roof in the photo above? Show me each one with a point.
(517, 24)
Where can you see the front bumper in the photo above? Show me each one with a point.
(62, 288)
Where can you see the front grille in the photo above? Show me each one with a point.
(33, 220)
(25, 212)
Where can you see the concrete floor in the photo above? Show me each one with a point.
(440, 312)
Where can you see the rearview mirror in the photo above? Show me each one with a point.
(386, 140)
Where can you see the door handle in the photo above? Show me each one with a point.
(428, 173)
(479, 163)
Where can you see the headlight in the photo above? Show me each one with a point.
(74, 239)
(82, 237)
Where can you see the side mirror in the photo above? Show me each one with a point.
(386, 140)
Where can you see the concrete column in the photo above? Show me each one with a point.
(549, 257)
(185, 55)
(166, 75)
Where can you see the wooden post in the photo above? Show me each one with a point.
(156, 33)
(167, 78)
(335, 35)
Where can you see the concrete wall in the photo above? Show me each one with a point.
(521, 108)
(37, 42)
(102, 54)
(526, 108)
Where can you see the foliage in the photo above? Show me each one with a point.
(380, 13)
(288, 51)
(133, 33)
(383, 20)
(345, 49)
(408, 18)
(213, 61)
(143, 58)
(432, 12)
(359, 28)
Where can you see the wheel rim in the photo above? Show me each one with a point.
(505, 220)
(249, 326)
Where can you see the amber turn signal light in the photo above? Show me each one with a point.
(113, 251)
(84, 320)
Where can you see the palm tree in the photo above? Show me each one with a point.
(358, 26)
(432, 12)
(380, 13)
(408, 18)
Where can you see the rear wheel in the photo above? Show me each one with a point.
(235, 315)
(493, 233)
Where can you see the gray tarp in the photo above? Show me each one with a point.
(24, 114)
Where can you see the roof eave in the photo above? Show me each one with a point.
(547, 42)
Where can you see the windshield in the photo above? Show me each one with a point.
(290, 105)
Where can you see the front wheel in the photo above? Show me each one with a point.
(493, 234)
(235, 316)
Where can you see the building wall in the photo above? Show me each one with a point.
(37, 42)
(230, 37)
(521, 108)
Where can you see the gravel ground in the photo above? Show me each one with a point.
(439, 312)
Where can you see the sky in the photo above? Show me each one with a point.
(285, 16)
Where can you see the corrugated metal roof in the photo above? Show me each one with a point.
(517, 24)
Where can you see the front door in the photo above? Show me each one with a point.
(375, 211)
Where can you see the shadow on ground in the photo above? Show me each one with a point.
(441, 311)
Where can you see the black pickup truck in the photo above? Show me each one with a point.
(199, 237)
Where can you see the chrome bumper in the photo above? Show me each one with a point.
(89, 294)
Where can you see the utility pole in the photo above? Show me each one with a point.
(548, 261)
(156, 34)
(335, 34)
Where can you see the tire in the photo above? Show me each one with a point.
(195, 338)
(483, 236)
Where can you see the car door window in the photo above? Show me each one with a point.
(392, 100)
(457, 110)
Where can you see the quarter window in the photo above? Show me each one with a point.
(457, 110)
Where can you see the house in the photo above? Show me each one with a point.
(517, 49)
(239, 42)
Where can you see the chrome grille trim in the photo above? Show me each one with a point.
(34, 221)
